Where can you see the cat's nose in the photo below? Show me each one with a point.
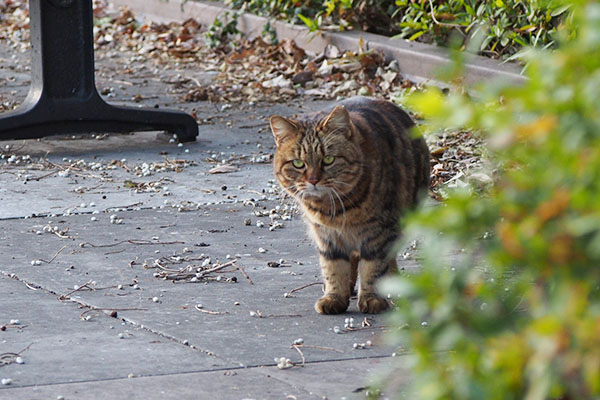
(313, 179)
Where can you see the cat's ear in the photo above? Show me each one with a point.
(282, 129)
(338, 121)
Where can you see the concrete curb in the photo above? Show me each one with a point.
(416, 60)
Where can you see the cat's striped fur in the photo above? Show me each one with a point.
(352, 204)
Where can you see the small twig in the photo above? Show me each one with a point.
(84, 286)
(127, 206)
(63, 234)
(38, 178)
(55, 255)
(158, 265)
(9, 358)
(297, 347)
(210, 312)
(217, 268)
(304, 287)
(241, 269)
(323, 348)
(139, 242)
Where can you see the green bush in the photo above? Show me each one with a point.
(507, 304)
(512, 24)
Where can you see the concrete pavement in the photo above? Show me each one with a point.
(101, 238)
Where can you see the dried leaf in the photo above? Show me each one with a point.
(223, 169)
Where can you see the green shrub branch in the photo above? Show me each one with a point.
(510, 285)
(509, 25)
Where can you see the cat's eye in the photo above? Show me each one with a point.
(298, 163)
(328, 160)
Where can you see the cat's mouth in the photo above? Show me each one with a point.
(312, 191)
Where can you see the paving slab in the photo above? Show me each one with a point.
(326, 380)
(239, 317)
(57, 346)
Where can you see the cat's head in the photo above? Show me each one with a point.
(317, 159)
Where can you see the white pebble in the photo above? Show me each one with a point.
(14, 322)
(36, 262)
(19, 360)
(424, 323)
(6, 381)
(155, 299)
(121, 336)
(94, 219)
(336, 329)
(261, 250)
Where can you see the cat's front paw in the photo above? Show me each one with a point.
(332, 304)
(372, 303)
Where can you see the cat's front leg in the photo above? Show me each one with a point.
(337, 274)
(370, 271)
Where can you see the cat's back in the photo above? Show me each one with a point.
(390, 146)
(378, 116)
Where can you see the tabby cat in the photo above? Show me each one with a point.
(354, 170)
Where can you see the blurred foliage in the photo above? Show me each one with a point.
(512, 24)
(222, 29)
(507, 304)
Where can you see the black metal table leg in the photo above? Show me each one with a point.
(62, 97)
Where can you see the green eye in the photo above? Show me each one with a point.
(298, 163)
(328, 160)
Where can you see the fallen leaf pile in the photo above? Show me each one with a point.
(247, 70)
(458, 160)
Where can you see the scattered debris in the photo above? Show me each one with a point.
(223, 169)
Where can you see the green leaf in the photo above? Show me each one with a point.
(559, 10)
(311, 24)
(416, 35)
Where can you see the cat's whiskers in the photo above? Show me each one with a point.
(332, 208)
(332, 190)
